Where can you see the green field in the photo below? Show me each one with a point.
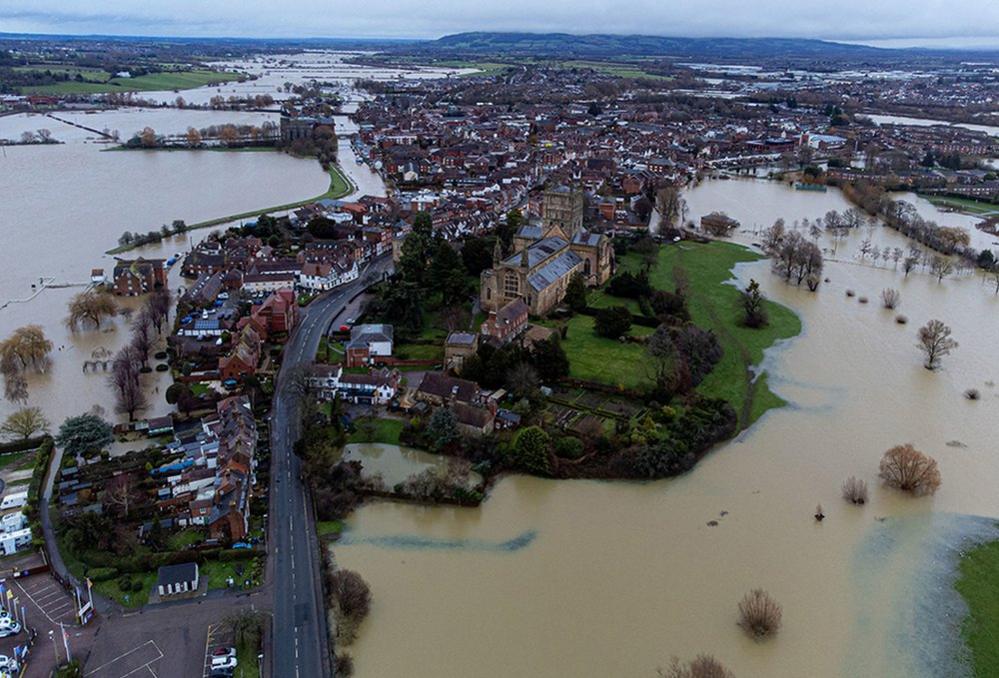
(964, 204)
(609, 361)
(377, 431)
(978, 584)
(713, 305)
(169, 80)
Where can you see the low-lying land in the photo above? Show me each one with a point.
(978, 584)
(95, 81)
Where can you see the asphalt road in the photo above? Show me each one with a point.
(300, 646)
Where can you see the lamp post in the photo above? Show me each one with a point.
(55, 648)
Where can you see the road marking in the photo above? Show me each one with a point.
(125, 654)
(40, 608)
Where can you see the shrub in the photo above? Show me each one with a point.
(705, 666)
(568, 447)
(891, 298)
(759, 614)
(901, 319)
(629, 285)
(855, 490)
(862, 300)
(102, 573)
(350, 599)
(972, 394)
(612, 322)
(906, 468)
(850, 293)
(343, 665)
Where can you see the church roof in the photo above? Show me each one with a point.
(586, 238)
(531, 231)
(538, 252)
(554, 269)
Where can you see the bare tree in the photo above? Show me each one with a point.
(941, 267)
(142, 335)
(855, 490)
(120, 491)
(124, 381)
(759, 614)
(350, 602)
(891, 298)
(522, 380)
(671, 206)
(193, 137)
(935, 341)
(25, 423)
(90, 308)
(158, 305)
(906, 468)
(704, 666)
(148, 137)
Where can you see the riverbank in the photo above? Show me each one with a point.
(978, 584)
(340, 186)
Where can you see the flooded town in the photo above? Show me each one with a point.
(492, 354)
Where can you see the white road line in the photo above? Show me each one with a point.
(40, 608)
(125, 654)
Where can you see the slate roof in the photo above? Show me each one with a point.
(553, 270)
(539, 251)
(175, 574)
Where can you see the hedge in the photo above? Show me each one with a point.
(38, 477)
(21, 445)
(102, 573)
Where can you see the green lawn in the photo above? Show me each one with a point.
(184, 539)
(169, 80)
(609, 361)
(978, 584)
(17, 459)
(130, 599)
(218, 571)
(247, 665)
(328, 527)
(377, 431)
(714, 305)
(600, 299)
(420, 351)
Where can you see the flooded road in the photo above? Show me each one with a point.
(620, 576)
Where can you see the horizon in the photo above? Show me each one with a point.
(953, 43)
(947, 24)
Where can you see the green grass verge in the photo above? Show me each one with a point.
(328, 527)
(129, 599)
(714, 305)
(218, 571)
(420, 351)
(247, 665)
(170, 80)
(978, 584)
(17, 459)
(339, 187)
(377, 431)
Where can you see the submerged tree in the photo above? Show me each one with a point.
(704, 666)
(891, 298)
(906, 468)
(124, 381)
(759, 614)
(935, 341)
(855, 490)
(83, 434)
(90, 308)
(25, 423)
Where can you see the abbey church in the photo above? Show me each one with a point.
(546, 256)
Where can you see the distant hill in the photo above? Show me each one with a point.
(565, 44)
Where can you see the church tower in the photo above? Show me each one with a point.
(562, 213)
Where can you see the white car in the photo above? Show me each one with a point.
(228, 662)
(223, 653)
(8, 664)
(9, 628)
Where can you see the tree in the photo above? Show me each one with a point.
(704, 666)
(124, 381)
(671, 206)
(935, 341)
(759, 614)
(148, 137)
(531, 450)
(906, 468)
(90, 308)
(158, 306)
(575, 293)
(417, 249)
(26, 348)
(120, 490)
(142, 335)
(752, 301)
(246, 627)
(477, 255)
(84, 433)
(442, 429)
(522, 380)
(663, 360)
(549, 359)
(891, 298)
(228, 135)
(193, 137)
(25, 423)
(612, 322)
(350, 601)
(941, 267)
(855, 490)
(648, 251)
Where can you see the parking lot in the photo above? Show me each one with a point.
(141, 660)
(219, 636)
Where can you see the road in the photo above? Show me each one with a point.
(300, 636)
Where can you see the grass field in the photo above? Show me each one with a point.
(339, 187)
(978, 584)
(170, 80)
(377, 431)
(964, 204)
(609, 361)
(714, 305)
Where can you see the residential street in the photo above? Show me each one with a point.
(300, 637)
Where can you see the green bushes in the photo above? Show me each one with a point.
(102, 573)
(42, 460)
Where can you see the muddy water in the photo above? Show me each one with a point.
(65, 205)
(617, 577)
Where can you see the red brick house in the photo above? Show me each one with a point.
(508, 322)
(277, 315)
(134, 277)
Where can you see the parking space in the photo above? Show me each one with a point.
(142, 660)
(43, 595)
(219, 639)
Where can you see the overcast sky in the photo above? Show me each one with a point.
(964, 22)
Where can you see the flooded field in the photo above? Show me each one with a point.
(590, 578)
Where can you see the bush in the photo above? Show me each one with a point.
(855, 490)
(612, 322)
(972, 394)
(891, 298)
(569, 447)
(901, 319)
(350, 600)
(705, 666)
(906, 468)
(629, 285)
(102, 573)
(343, 665)
(759, 614)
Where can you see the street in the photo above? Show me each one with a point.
(300, 637)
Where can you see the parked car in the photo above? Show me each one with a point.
(8, 663)
(227, 662)
(223, 653)
(9, 628)
(221, 673)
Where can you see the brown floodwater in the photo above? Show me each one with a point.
(65, 205)
(585, 578)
